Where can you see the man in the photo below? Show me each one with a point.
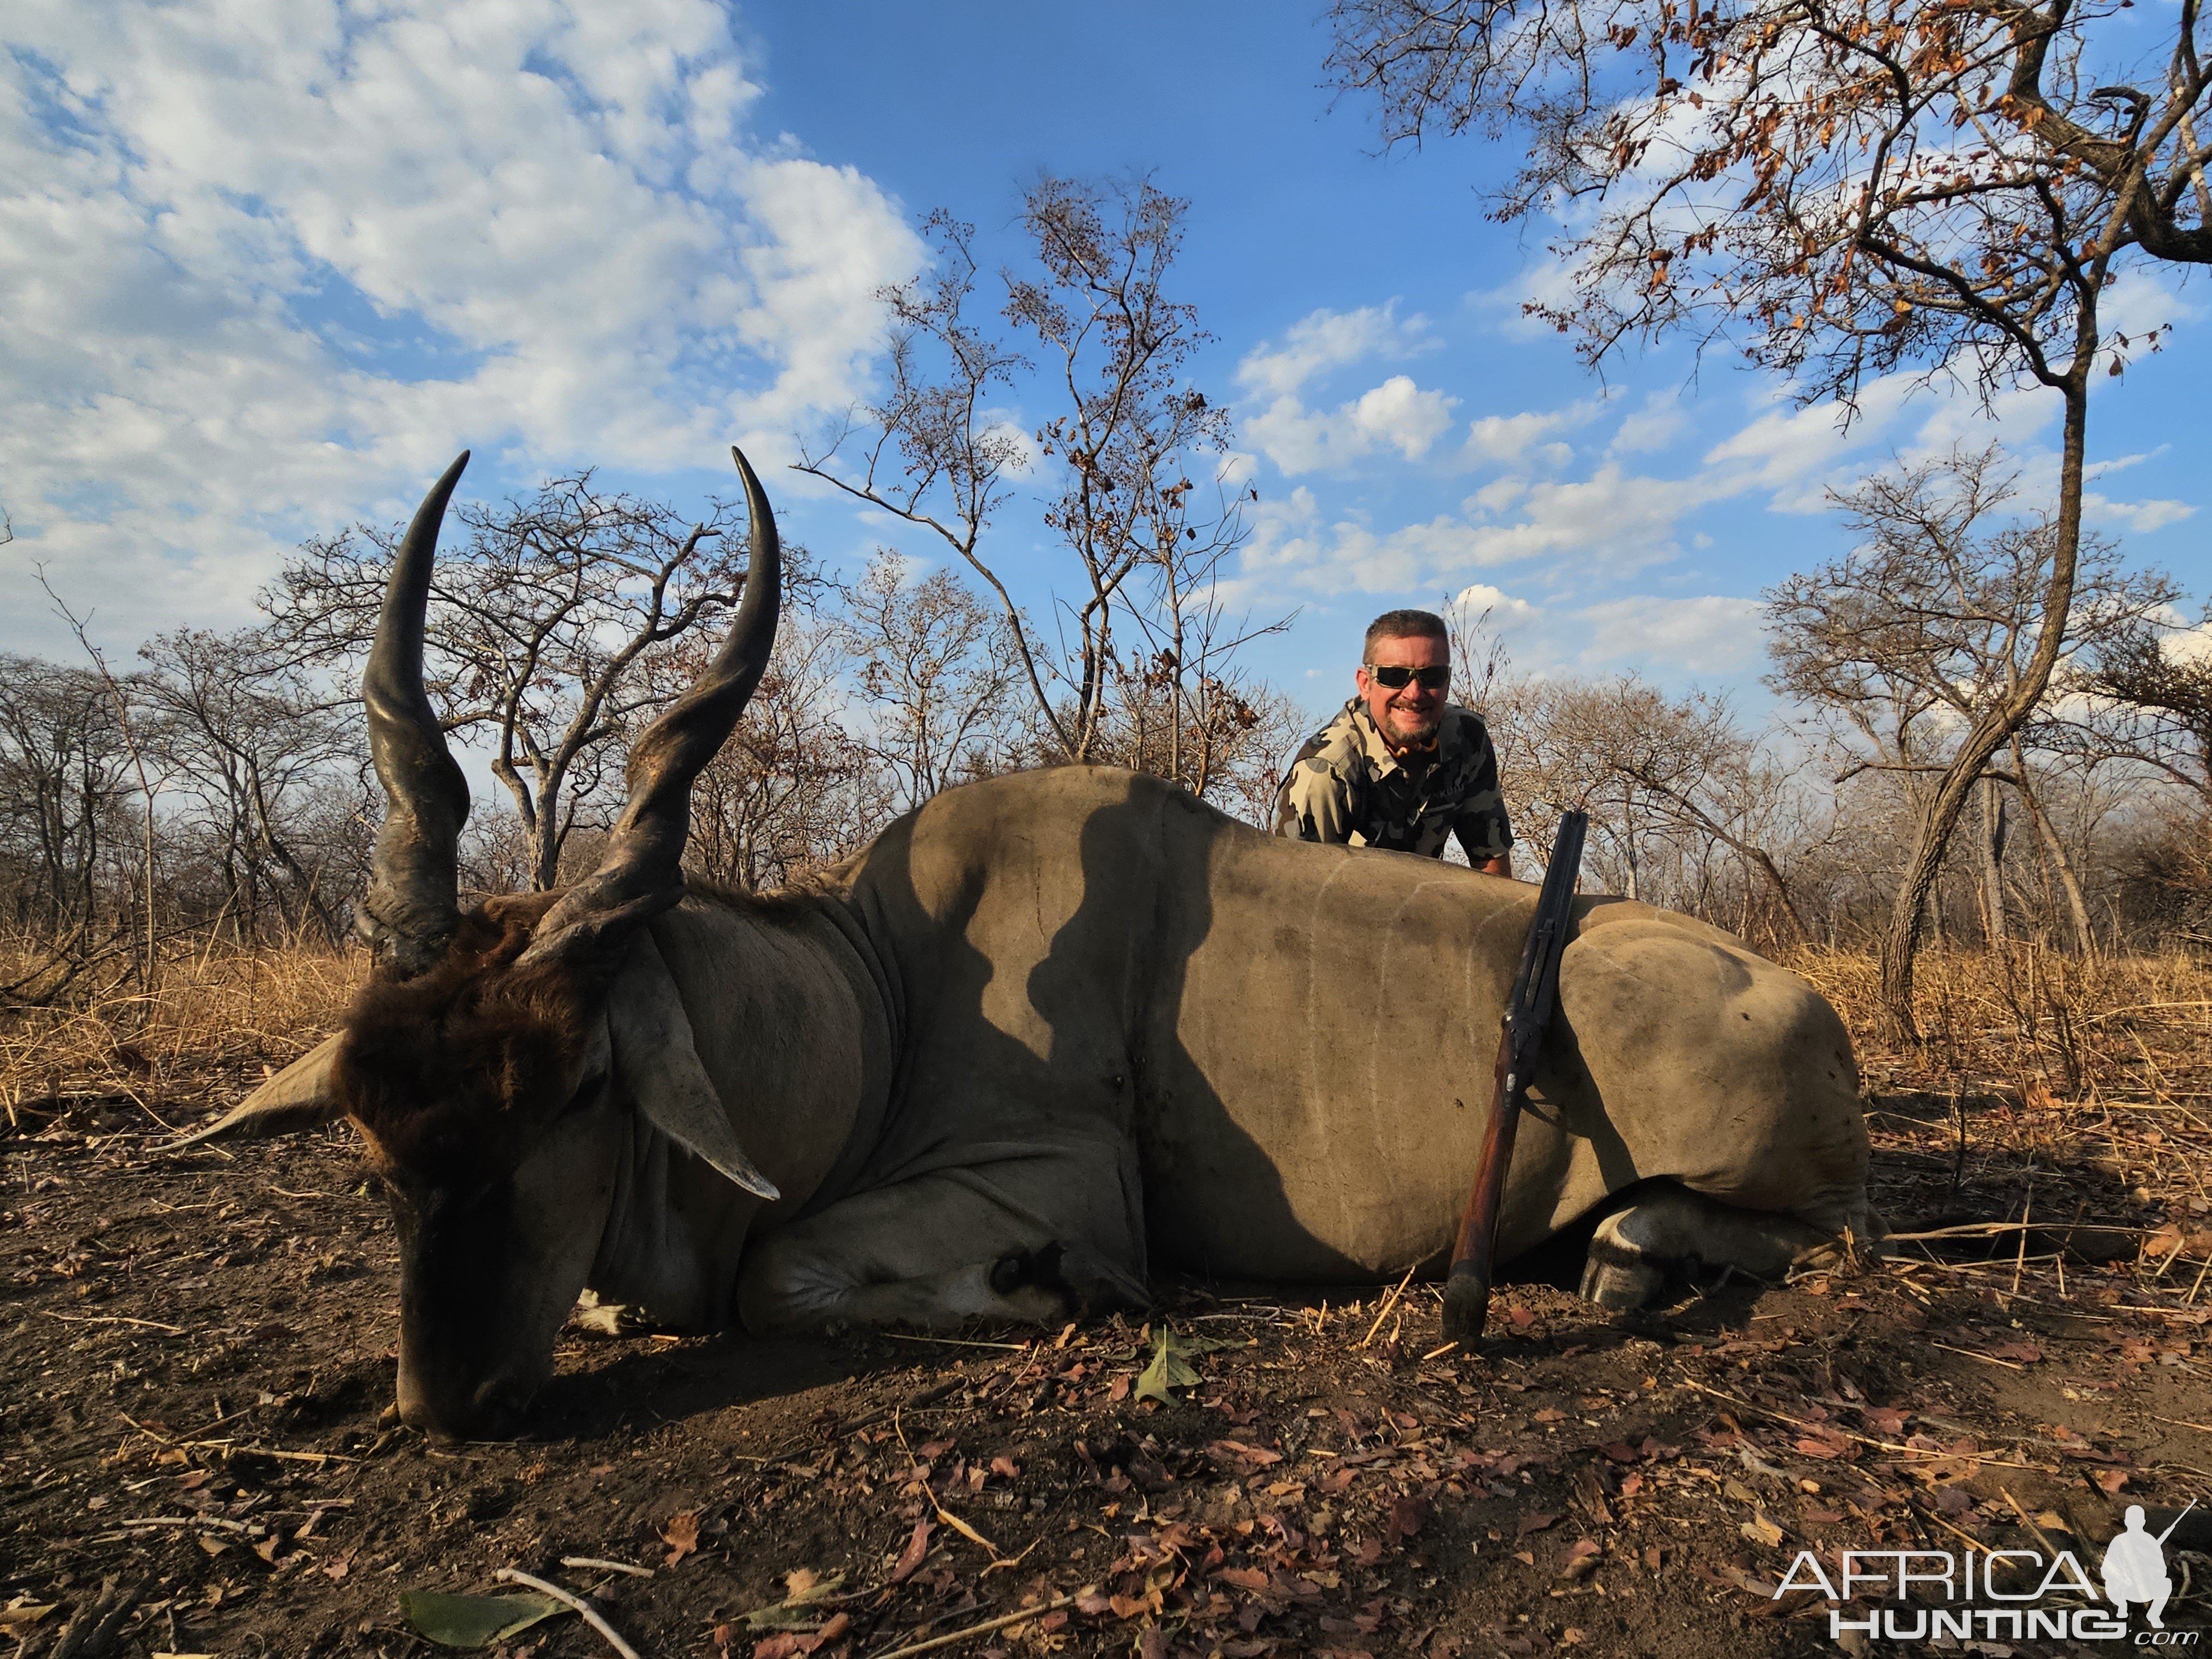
(1399, 767)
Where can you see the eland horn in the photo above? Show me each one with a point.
(641, 873)
(413, 902)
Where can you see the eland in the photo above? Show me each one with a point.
(1048, 1035)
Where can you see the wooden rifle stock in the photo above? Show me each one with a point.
(1527, 1011)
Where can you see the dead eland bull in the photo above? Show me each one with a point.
(1049, 1032)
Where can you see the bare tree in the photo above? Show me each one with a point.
(2164, 700)
(793, 788)
(541, 621)
(937, 669)
(248, 749)
(1116, 461)
(1683, 806)
(1846, 187)
(1935, 617)
(63, 795)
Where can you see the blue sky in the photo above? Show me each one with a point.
(264, 265)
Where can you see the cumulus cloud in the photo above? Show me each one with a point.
(1709, 634)
(1324, 340)
(1504, 438)
(1396, 414)
(2141, 517)
(1705, 634)
(264, 267)
(1661, 421)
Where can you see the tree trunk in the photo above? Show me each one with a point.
(1901, 941)
(1988, 846)
(2077, 903)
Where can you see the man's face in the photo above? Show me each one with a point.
(1409, 715)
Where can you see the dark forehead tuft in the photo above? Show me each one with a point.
(444, 1069)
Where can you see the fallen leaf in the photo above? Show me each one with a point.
(1091, 1603)
(1529, 1523)
(2111, 1480)
(910, 1558)
(2026, 1353)
(475, 1621)
(1760, 1530)
(1549, 1415)
(1580, 1559)
(1167, 1370)
(681, 1534)
(1407, 1517)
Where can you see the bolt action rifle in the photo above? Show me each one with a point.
(1527, 1011)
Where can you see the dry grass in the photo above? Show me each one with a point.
(217, 1016)
(2060, 1111)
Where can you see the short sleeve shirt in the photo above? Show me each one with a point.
(1346, 787)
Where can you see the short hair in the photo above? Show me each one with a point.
(1404, 625)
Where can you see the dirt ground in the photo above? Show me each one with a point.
(198, 1350)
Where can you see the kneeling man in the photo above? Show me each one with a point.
(1399, 767)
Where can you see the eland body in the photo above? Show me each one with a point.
(1047, 1035)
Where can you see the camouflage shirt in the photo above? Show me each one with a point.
(1346, 787)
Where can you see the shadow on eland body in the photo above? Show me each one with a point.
(1049, 1033)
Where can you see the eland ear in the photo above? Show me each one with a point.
(661, 1068)
(300, 1096)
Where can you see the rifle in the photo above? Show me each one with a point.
(1527, 1011)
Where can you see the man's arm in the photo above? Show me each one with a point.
(1314, 804)
(1485, 833)
(1502, 864)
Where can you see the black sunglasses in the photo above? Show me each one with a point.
(1396, 678)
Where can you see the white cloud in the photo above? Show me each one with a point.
(1661, 421)
(1710, 633)
(264, 269)
(1326, 339)
(1504, 438)
(2141, 517)
(1395, 415)
(1502, 610)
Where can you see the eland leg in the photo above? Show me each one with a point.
(1669, 1228)
(939, 1250)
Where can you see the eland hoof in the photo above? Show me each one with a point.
(1620, 1286)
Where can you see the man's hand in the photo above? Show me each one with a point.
(1500, 865)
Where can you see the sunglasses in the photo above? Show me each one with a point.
(1396, 679)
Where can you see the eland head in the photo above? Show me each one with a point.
(492, 1062)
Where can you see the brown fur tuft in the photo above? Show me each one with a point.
(450, 1072)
